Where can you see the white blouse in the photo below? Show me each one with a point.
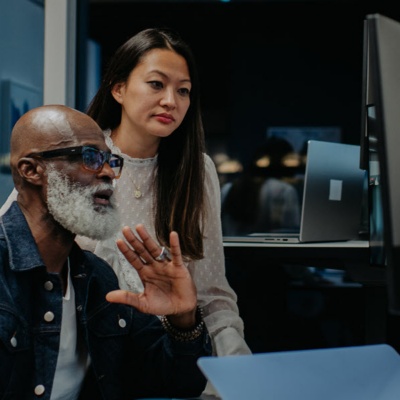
(215, 296)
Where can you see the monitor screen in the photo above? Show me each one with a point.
(380, 145)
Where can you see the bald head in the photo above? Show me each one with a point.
(49, 127)
(59, 187)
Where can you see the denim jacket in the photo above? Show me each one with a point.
(131, 355)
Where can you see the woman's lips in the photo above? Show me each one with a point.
(165, 118)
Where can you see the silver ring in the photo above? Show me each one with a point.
(164, 254)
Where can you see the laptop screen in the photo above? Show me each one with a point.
(331, 199)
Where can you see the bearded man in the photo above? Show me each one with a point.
(66, 331)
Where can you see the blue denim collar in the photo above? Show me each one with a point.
(21, 245)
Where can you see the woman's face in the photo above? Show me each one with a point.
(156, 96)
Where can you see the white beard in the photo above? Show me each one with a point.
(73, 208)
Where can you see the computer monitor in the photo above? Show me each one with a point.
(380, 144)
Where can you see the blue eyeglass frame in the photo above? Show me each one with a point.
(115, 161)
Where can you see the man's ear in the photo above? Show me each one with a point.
(116, 92)
(31, 170)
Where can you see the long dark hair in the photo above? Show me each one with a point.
(179, 182)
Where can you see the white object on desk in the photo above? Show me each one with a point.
(370, 372)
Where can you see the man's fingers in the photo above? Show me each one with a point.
(139, 249)
(131, 256)
(175, 249)
(149, 243)
(147, 250)
(157, 252)
(123, 297)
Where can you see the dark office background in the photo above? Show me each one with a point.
(261, 63)
(266, 64)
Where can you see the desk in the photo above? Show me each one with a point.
(352, 256)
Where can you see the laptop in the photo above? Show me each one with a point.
(332, 197)
(370, 372)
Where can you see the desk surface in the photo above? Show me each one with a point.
(352, 255)
(360, 244)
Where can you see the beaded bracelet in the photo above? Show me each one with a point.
(182, 335)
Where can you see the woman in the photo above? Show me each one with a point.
(148, 107)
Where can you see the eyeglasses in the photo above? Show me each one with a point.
(93, 159)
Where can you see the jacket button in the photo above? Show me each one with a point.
(14, 341)
(39, 390)
(49, 316)
(122, 323)
(48, 285)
